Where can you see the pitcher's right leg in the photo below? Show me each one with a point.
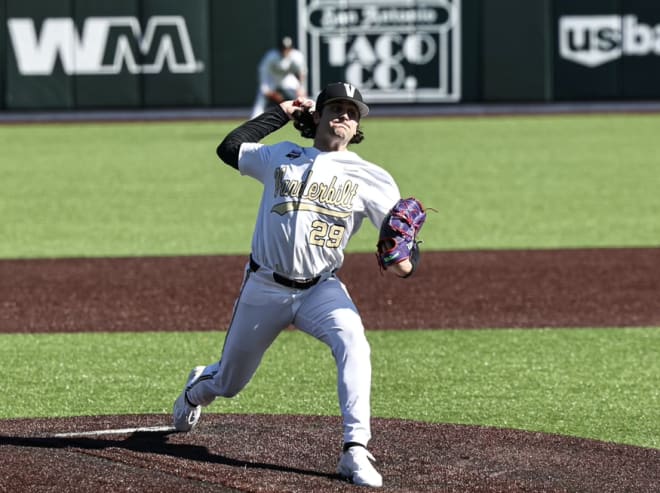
(260, 314)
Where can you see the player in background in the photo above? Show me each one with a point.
(281, 73)
(314, 199)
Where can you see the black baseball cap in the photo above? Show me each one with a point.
(342, 91)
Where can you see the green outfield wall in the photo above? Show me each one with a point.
(95, 54)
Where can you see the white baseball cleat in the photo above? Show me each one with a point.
(185, 414)
(355, 465)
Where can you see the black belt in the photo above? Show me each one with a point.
(284, 281)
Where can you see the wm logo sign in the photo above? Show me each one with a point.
(104, 46)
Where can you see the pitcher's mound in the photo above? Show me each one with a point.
(299, 454)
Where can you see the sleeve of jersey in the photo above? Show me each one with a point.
(253, 160)
(251, 131)
(379, 204)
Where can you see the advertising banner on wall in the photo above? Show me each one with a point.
(105, 86)
(640, 49)
(73, 54)
(35, 73)
(178, 70)
(393, 50)
(607, 49)
(3, 54)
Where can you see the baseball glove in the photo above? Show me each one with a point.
(398, 234)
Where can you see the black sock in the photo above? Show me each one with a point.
(185, 396)
(348, 445)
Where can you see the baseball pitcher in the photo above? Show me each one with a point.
(314, 199)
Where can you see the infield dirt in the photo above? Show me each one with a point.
(520, 289)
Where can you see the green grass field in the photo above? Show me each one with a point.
(598, 383)
(158, 189)
(507, 182)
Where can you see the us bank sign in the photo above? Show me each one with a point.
(393, 50)
(592, 40)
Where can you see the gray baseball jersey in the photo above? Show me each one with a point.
(312, 203)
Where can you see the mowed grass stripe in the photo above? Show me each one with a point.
(158, 188)
(595, 383)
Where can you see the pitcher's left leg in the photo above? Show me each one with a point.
(329, 314)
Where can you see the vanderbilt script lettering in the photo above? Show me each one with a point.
(341, 195)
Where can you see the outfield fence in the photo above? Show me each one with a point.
(95, 54)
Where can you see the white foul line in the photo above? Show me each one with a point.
(120, 431)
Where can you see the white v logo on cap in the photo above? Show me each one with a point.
(342, 91)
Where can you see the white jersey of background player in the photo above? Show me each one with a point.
(314, 199)
(281, 74)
